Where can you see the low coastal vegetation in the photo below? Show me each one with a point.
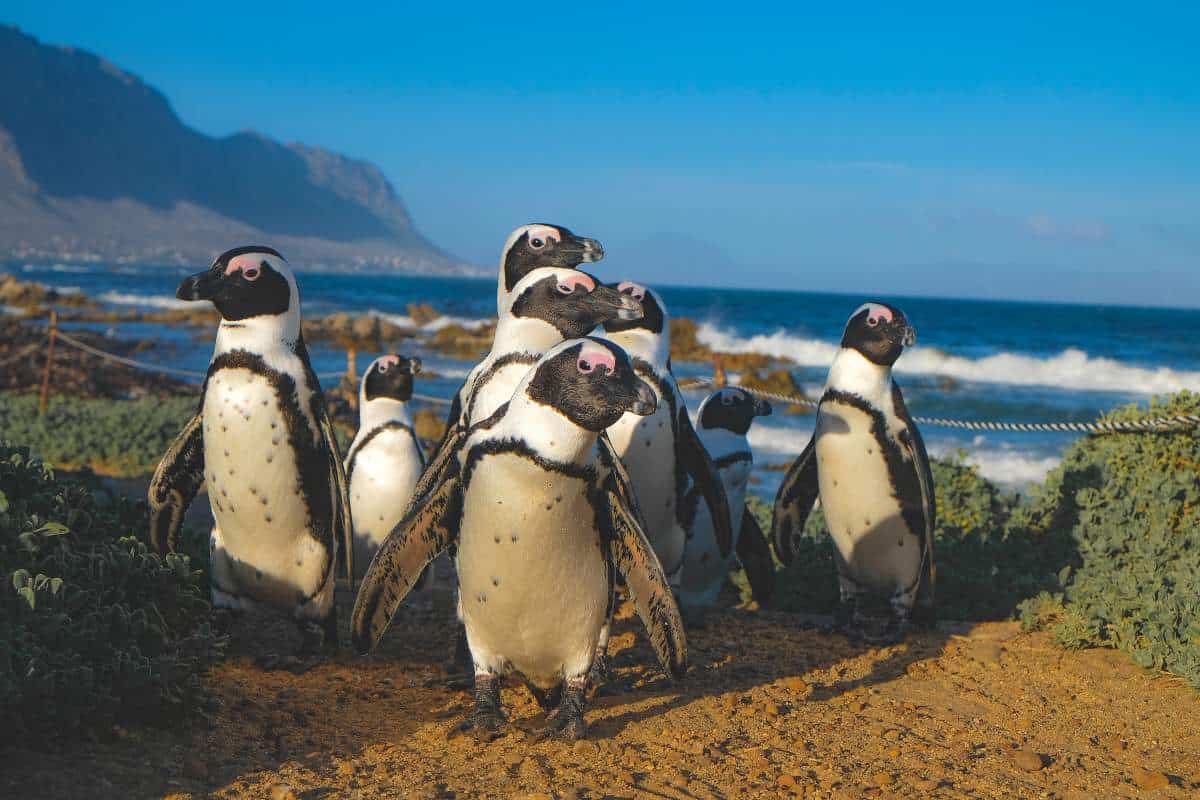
(94, 629)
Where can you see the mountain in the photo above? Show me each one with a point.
(95, 165)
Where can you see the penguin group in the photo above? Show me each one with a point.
(571, 470)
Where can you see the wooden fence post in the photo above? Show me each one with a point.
(720, 380)
(49, 360)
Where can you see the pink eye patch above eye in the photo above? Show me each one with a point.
(592, 357)
(569, 283)
(543, 232)
(875, 313)
(389, 361)
(631, 288)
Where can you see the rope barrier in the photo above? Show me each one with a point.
(1155, 425)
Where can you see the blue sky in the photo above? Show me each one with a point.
(1035, 153)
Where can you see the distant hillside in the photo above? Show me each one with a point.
(94, 164)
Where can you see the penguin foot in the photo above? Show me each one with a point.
(314, 636)
(567, 722)
(487, 722)
(895, 632)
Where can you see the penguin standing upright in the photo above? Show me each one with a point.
(722, 422)
(662, 452)
(868, 464)
(543, 517)
(263, 443)
(385, 460)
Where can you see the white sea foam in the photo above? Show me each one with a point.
(1070, 369)
(436, 324)
(144, 300)
(72, 268)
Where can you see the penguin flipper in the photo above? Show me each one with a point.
(915, 445)
(176, 481)
(692, 453)
(634, 558)
(794, 502)
(426, 530)
(339, 494)
(755, 555)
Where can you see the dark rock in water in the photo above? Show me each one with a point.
(95, 164)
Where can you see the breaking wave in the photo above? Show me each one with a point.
(1071, 369)
(144, 300)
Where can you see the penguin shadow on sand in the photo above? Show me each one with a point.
(748, 659)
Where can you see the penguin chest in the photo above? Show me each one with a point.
(255, 490)
(533, 578)
(385, 471)
(646, 446)
(860, 499)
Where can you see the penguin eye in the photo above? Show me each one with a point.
(564, 288)
(873, 321)
(382, 368)
(251, 273)
(537, 243)
(586, 367)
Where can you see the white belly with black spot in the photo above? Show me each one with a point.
(533, 583)
(647, 448)
(704, 568)
(264, 548)
(386, 471)
(861, 509)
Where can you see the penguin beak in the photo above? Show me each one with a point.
(619, 305)
(909, 336)
(646, 403)
(201, 286)
(582, 248)
(762, 408)
(592, 251)
(414, 365)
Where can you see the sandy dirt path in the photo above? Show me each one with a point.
(768, 710)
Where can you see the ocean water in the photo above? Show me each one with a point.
(977, 360)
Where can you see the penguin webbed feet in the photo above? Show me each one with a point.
(318, 637)
(566, 722)
(847, 621)
(487, 722)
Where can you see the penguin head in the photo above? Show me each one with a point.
(591, 382)
(390, 377)
(732, 409)
(879, 332)
(245, 282)
(654, 313)
(573, 302)
(538, 245)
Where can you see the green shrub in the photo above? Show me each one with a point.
(1131, 502)
(984, 568)
(93, 627)
(111, 437)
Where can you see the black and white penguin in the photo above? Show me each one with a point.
(867, 463)
(662, 452)
(263, 443)
(544, 519)
(545, 307)
(722, 422)
(385, 459)
(537, 245)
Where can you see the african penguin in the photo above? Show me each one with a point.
(544, 519)
(537, 245)
(545, 307)
(662, 452)
(385, 459)
(722, 422)
(263, 443)
(867, 462)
